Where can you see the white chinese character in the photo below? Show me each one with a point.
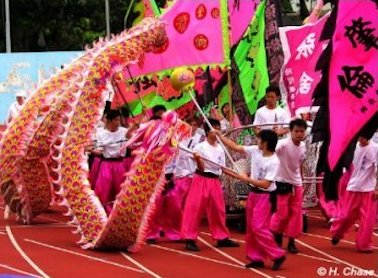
(306, 48)
(290, 80)
(305, 82)
(288, 71)
(292, 89)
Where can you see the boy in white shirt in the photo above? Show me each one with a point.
(111, 169)
(260, 243)
(360, 200)
(205, 193)
(288, 218)
(185, 165)
(271, 113)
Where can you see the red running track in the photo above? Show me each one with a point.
(48, 249)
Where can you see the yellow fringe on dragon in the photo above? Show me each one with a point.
(44, 147)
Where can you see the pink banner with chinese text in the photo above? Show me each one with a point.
(302, 49)
(195, 37)
(353, 75)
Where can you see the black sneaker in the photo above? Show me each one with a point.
(335, 240)
(291, 247)
(227, 243)
(278, 262)
(151, 241)
(255, 264)
(278, 239)
(191, 245)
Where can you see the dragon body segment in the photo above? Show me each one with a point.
(44, 147)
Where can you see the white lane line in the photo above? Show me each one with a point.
(304, 255)
(23, 254)
(82, 255)
(196, 256)
(333, 257)
(323, 218)
(317, 258)
(142, 267)
(232, 258)
(18, 270)
(328, 238)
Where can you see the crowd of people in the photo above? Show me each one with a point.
(274, 205)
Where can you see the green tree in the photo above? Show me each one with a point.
(42, 25)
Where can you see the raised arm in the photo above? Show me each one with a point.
(229, 143)
(257, 183)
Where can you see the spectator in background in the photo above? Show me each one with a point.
(271, 113)
(16, 106)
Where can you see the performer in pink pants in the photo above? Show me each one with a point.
(167, 218)
(288, 216)
(260, 243)
(360, 201)
(332, 208)
(111, 168)
(185, 165)
(205, 194)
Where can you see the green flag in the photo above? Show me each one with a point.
(250, 57)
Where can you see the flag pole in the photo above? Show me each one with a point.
(7, 28)
(212, 128)
(229, 77)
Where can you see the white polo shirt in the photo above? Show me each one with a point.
(110, 142)
(262, 167)
(185, 165)
(365, 161)
(265, 115)
(291, 158)
(213, 153)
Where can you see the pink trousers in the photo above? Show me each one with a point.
(205, 194)
(331, 209)
(109, 180)
(182, 185)
(127, 162)
(260, 244)
(94, 171)
(167, 217)
(359, 206)
(288, 217)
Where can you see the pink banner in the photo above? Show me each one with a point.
(302, 49)
(353, 76)
(241, 14)
(185, 20)
(195, 37)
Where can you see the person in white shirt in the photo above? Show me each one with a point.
(360, 200)
(112, 168)
(205, 194)
(260, 243)
(16, 106)
(288, 217)
(271, 113)
(170, 205)
(185, 165)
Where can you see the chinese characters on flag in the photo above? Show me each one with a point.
(353, 73)
(302, 49)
